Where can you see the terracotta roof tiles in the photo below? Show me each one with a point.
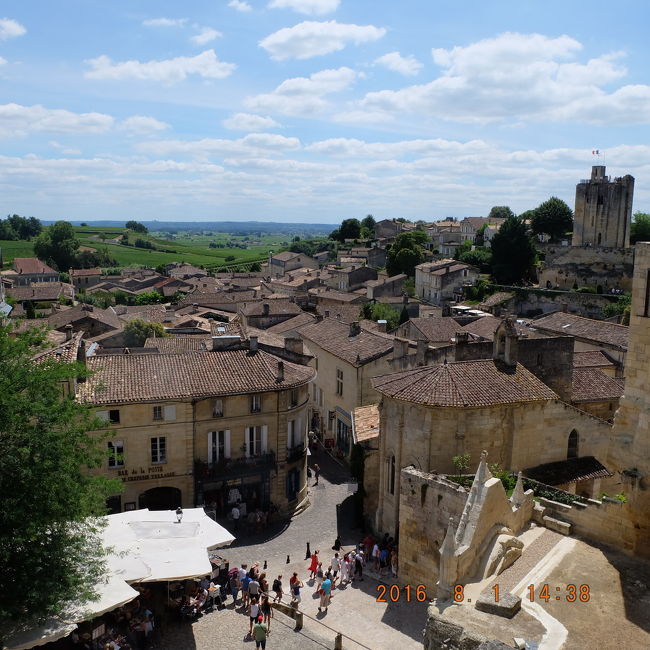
(598, 331)
(593, 385)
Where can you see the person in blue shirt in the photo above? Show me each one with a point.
(325, 593)
(245, 596)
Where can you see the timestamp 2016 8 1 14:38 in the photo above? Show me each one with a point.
(570, 593)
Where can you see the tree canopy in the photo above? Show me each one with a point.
(553, 217)
(406, 253)
(640, 230)
(136, 226)
(137, 331)
(500, 212)
(349, 229)
(513, 252)
(57, 245)
(49, 548)
(381, 311)
(15, 228)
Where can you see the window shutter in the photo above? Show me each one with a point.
(265, 438)
(226, 445)
(170, 412)
(289, 434)
(103, 415)
(211, 436)
(248, 441)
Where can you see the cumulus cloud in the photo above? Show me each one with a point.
(311, 38)
(303, 96)
(406, 65)
(240, 5)
(68, 151)
(10, 29)
(165, 22)
(18, 120)
(168, 71)
(269, 143)
(310, 7)
(3, 61)
(206, 35)
(249, 122)
(141, 125)
(521, 76)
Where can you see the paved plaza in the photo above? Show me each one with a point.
(354, 611)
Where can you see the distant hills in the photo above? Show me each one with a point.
(233, 227)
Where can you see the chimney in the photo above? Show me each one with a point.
(355, 329)
(195, 307)
(462, 338)
(400, 348)
(382, 326)
(225, 342)
(423, 345)
(68, 332)
(265, 309)
(293, 344)
(280, 377)
(252, 343)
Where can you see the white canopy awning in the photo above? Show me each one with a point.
(143, 546)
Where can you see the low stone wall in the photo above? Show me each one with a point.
(440, 633)
(607, 521)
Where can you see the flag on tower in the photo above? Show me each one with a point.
(596, 152)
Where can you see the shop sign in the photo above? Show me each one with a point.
(144, 474)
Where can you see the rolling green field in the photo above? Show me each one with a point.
(190, 247)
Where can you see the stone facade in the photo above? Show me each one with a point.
(630, 449)
(438, 282)
(603, 210)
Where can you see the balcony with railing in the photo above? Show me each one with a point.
(296, 452)
(228, 468)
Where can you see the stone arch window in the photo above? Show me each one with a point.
(572, 447)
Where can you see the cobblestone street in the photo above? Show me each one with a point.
(354, 611)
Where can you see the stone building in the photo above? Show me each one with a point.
(282, 263)
(350, 278)
(213, 426)
(268, 313)
(603, 210)
(440, 282)
(430, 414)
(84, 278)
(630, 450)
(27, 270)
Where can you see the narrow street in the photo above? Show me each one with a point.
(354, 611)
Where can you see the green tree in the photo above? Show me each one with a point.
(406, 253)
(368, 227)
(640, 230)
(149, 298)
(349, 229)
(479, 257)
(461, 463)
(500, 212)
(58, 246)
(380, 311)
(553, 217)
(137, 331)
(465, 247)
(513, 252)
(49, 547)
(136, 226)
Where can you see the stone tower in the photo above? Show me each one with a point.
(630, 446)
(603, 210)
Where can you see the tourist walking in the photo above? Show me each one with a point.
(234, 584)
(267, 611)
(316, 473)
(375, 556)
(277, 588)
(358, 565)
(260, 632)
(393, 563)
(319, 577)
(245, 596)
(313, 567)
(336, 567)
(253, 613)
(235, 514)
(325, 593)
(295, 592)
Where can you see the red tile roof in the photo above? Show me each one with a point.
(589, 329)
(366, 422)
(464, 384)
(592, 359)
(148, 377)
(593, 385)
(31, 265)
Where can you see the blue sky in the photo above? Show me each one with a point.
(316, 110)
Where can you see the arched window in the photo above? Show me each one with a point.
(391, 482)
(572, 447)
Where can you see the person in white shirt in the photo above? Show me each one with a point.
(336, 567)
(235, 516)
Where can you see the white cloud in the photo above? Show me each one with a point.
(18, 120)
(168, 71)
(240, 5)
(10, 28)
(268, 143)
(519, 76)
(303, 96)
(406, 65)
(63, 149)
(249, 122)
(3, 61)
(206, 35)
(141, 124)
(165, 22)
(310, 7)
(310, 38)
